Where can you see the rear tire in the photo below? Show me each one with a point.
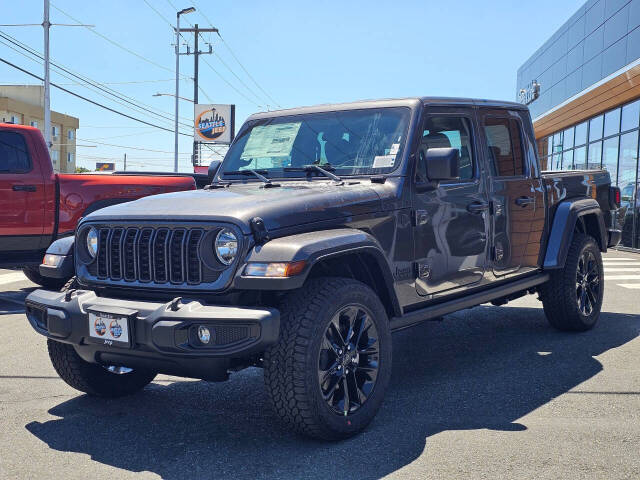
(329, 371)
(33, 274)
(92, 378)
(572, 298)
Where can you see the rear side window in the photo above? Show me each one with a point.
(504, 142)
(14, 157)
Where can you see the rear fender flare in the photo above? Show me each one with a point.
(564, 223)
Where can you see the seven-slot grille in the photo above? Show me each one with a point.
(159, 255)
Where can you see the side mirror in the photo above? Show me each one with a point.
(442, 164)
(213, 169)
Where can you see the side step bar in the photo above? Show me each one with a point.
(434, 311)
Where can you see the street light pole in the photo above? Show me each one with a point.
(181, 12)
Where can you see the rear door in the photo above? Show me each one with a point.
(451, 221)
(515, 193)
(22, 196)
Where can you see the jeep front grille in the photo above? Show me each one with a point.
(149, 255)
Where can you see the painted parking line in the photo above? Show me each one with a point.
(12, 278)
(622, 277)
(614, 269)
(618, 259)
(631, 286)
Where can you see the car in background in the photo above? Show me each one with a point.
(39, 206)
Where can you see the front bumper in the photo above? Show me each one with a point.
(163, 335)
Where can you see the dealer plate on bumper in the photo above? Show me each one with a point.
(110, 328)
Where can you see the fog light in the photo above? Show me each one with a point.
(203, 334)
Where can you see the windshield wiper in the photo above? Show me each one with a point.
(256, 173)
(316, 168)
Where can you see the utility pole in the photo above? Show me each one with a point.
(47, 83)
(125, 162)
(196, 54)
(184, 11)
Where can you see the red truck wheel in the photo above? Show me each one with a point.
(49, 283)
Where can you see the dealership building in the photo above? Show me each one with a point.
(583, 88)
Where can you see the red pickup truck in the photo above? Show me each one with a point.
(38, 206)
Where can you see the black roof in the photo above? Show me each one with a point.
(397, 102)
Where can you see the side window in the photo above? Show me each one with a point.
(14, 157)
(504, 142)
(448, 132)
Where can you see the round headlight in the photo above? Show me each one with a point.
(92, 242)
(226, 246)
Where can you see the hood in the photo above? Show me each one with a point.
(293, 203)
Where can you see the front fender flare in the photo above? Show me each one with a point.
(312, 247)
(564, 224)
(63, 247)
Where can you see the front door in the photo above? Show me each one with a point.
(451, 220)
(21, 196)
(515, 194)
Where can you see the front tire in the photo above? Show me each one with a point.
(95, 379)
(329, 371)
(572, 298)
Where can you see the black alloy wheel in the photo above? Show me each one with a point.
(348, 360)
(572, 298)
(587, 283)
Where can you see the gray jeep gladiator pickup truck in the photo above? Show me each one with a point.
(324, 230)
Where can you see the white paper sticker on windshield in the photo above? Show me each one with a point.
(383, 161)
(271, 141)
(394, 149)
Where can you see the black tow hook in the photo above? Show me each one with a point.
(175, 304)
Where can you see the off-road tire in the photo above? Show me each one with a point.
(560, 294)
(291, 365)
(92, 378)
(33, 274)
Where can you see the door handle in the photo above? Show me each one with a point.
(524, 201)
(477, 207)
(23, 188)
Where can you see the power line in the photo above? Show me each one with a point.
(212, 68)
(127, 146)
(246, 71)
(89, 100)
(231, 84)
(201, 11)
(93, 83)
(113, 42)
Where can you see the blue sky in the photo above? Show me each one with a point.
(299, 53)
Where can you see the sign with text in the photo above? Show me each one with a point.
(214, 123)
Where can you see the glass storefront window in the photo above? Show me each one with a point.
(568, 138)
(628, 159)
(630, 115)
(595, 128)
(580, 158)
(557, 162)
(567, 159)
(549, 144)
(610, 158)
(557, 142)
(612, 122)
(581, 134)
(595, 155)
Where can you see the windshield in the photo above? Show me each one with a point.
(351, 142)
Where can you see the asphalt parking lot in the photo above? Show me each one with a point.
(491, 392)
